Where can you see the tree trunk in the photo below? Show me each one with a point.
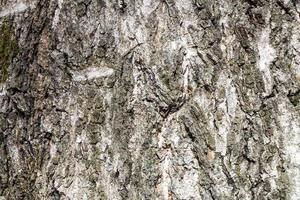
(150, 99)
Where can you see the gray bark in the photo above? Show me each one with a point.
(150, 99)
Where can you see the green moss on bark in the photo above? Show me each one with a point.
(8, 49)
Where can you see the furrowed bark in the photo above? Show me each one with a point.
(145, 99)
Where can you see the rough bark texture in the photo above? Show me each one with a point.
(150, 99)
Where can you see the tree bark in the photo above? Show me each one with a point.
(150, 99)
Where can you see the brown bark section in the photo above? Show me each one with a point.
(138, 99)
